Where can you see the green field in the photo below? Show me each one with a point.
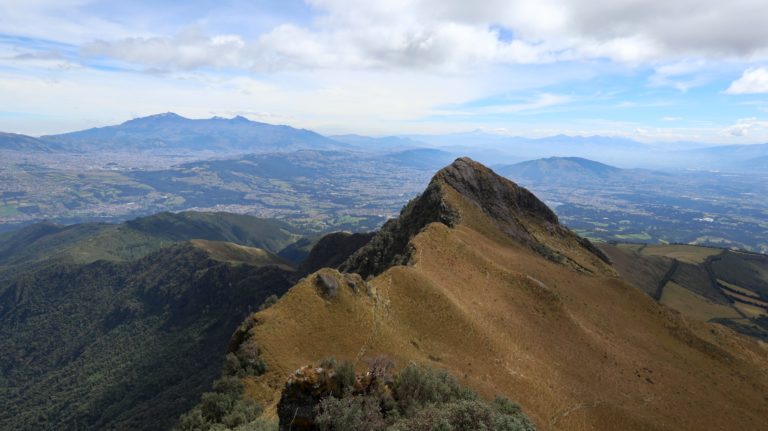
(8, 211)
(684, 253)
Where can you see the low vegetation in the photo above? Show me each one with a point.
(418, 398)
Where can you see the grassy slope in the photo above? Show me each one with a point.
(89, 242)
(240, 254)
(578, 351)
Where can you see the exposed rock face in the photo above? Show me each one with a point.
(390, 245)
(308, 385)
(333, 249)
(510, 206)
(327, 285)
(497, 196)
(302, 393)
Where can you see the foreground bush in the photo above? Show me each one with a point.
(332, 398)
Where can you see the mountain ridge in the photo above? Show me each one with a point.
(512, 208)
(473, 299)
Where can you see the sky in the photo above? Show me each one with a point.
(651, 70)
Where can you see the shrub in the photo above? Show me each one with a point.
(243, 412)
(416, 387)
(350, 413)
(270, 301)
(333, 398)
(258, 425)
(222, 409)
(463, 415)
(343, 376)
(214, 405)
(245, 362)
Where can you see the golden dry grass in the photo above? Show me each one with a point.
(739, 289)
(750, 310)
(693, 305)
(235, 253)
(579, 351)
(684, 253)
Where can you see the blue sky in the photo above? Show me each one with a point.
(650, 70)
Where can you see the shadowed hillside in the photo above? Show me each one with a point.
(124, 326)
(708, 284)
(477, 277)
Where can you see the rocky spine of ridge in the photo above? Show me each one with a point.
(390, 246)
(332, 250)
(510, 206)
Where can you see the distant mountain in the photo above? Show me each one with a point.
(556, 168)
(758, 164)
(733, 151)
(734, 158)
(385, 143)
(421, 158)
(172, 132)
(15, 142)
(494, 148)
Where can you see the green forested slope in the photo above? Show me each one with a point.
(92, 338)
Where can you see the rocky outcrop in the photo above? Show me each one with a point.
(302, 393)
(332, 250)
(304, 390)
(328, 282)
(499, 197)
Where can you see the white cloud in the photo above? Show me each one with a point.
(752, 127)
(189, 49)
(681, 75)
(541, 101)
(64, 21)
(752, 81)
(457, 35)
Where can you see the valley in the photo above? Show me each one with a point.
(322, 191)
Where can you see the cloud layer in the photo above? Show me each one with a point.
(456, 34)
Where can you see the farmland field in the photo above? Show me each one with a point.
(695, 306)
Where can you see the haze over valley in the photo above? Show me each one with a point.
(168, 163)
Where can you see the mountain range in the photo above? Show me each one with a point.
(16, 142)
(170, 133)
